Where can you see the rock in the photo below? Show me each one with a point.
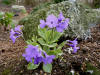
(81, 19)
(18, 9)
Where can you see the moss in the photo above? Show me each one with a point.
(81, 19)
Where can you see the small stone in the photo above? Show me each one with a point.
(18, 9)
(45, 73)
(41, 72)
(36, 74)
(55, 71)
(86, 59)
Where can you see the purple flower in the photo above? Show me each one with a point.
(75, 49)
(66, 23)
(15, 33)
(59, 29)
(31, 52)
(74, 45)
(48, 58)
(74, 42)
(38, 59)
(43, 24)
(13, 38)
(51, 21)
(61, 17)
(18, 28)
(62, 25)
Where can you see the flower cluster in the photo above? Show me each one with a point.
(74, 45)
(60, 23)
(38, 55)
(15, 33)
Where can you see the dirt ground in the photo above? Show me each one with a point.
(12, 62)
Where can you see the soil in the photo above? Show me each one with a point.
(12, 62)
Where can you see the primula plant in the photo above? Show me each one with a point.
(43, 49)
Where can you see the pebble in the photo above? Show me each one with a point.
(41, 72)
(36, 74)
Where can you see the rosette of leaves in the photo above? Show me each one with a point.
(47, 40)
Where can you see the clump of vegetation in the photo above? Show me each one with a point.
(34, 22)
(6, 19)
(8, 2)
(97, 3)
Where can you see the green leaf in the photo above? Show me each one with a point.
(41, 41)
(95, 70)
(9, 15)
(6, 18)
(47, 68)
(29, 42)
(25, 47)
(55, 36)
(55, 52)
(1, 15)
(34, 38)
(52, 45)
(32, 66)
(48, 36)
(61, 45)
(12, 25)
(42, 32)
(36, 44)
(46, 48)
